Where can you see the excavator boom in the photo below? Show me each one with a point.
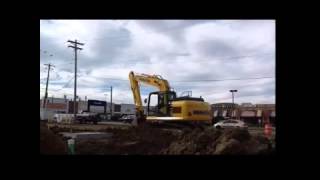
(136, 92)
(152, 80)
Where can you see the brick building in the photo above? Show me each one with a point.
(248, 112)
(53, 105)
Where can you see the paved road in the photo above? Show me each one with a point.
(114, 123)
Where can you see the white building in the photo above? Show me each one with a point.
(53, 106)
(128, 109)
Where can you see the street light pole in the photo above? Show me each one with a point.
(233, 91)
(111, 101)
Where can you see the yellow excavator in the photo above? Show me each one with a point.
(168, 107)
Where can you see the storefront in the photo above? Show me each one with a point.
(222, 111)
(249, 117)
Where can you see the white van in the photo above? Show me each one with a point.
(63, 118)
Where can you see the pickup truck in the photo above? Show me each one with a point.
(84, 117)
(88, 117)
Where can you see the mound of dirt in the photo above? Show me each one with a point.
(144, 140)
(51, 143)
(211, 141)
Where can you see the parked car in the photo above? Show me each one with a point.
(230, 124)
(84, 117)
(88, 117)
(127, 118)
(62, 118)
(102, 116)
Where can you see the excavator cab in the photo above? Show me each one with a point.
(162, 101)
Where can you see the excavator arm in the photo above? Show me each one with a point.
(153, 80)
(136, 93)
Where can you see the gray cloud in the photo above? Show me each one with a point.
(112, 51)
(171, 28)
(216, 48)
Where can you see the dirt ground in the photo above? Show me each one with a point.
(50, 143)
(146, 140)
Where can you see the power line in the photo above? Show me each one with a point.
(200, 80)
(134, 61)
(186, 81)
(238, 57)
(64, 64)
(67, 84)
(207, 60)
(116, 79)
(205, 80)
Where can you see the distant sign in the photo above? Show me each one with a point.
(97, 106)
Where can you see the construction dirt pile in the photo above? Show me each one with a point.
(146, 140)
(215, 142)
(51, 143)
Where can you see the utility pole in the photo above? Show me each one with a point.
(106, 105)
(111, 101)
(76, 48)
(233, 91)
(46, 93)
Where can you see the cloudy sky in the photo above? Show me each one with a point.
(207, 57)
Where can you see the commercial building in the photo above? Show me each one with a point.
(63, 105)
(126, 109)
(53, 106)
(268, 112)
(255, 114)
(225, 110)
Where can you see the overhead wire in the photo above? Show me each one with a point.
(199, 80)
(236, 79)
